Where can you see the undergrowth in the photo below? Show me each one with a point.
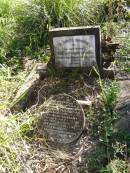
(111, 153)
(24, 25)
(9, 85)
(21, 147)
(14, 148)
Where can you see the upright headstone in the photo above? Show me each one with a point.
(75, 47)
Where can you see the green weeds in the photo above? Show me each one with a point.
(109, 96)
(9, 85)
(13, 145)
(24, 25)
(110, 155)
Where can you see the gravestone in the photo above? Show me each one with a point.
(75, 47)
(62, 119)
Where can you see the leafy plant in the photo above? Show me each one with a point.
(117, 166)
(109, 96)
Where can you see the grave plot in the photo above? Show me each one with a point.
(62, 119)
(71, 49)
(79, 89)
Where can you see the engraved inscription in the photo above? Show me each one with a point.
(75, 51)
(63, 119)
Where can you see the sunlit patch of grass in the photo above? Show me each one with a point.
(110, 93)
(9, 85)
(19, 151)
(14, 148)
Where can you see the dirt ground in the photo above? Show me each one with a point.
(81, 88)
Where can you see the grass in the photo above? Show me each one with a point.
(24, 25)
(9, 85)
(12, 144)
(109, 96)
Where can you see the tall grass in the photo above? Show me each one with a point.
(61, 12)
(7, 24)
(12, 144)
(9, 85)
(18, 154)
(32, 26)
(14, 148)
(24, 25)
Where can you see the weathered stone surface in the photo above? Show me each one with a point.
(62, 119)
(75, 47)
(24, 92)
(123, 106)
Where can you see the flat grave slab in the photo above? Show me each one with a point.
(75, 47)
(62, 120)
